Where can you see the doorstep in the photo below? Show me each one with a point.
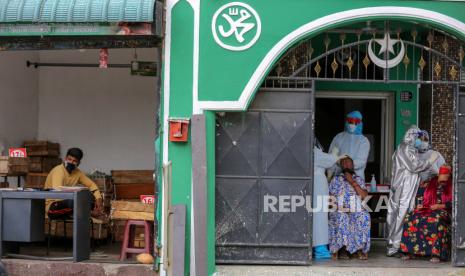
(256, 270)
(41, 268)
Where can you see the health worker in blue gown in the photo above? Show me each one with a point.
(322, 161)
(353, 143)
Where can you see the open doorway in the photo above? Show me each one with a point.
(377, 109)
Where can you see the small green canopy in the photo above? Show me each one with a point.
(76, 11)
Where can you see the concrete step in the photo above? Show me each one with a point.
(256, 270)
(41, 268)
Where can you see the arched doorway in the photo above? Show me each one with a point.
(265, 154)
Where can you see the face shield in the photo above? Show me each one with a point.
(412, 134)
(424, 145)
(353, 123)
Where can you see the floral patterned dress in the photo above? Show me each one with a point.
(349, 226)
(428, 233)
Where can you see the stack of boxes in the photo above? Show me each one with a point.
(13, 165)
(43, 157)
(129, 185)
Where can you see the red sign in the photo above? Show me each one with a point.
(149, 199)
(103, 58)
(17, 152)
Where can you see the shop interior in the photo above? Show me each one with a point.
(53, 100)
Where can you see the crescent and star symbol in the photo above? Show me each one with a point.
(386, 44)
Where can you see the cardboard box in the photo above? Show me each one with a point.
(132, 176)
(133, 191)
(131, 184)
(134, 206)
(124, 210)
(13, 165)
(43, 164)
(42, 148)
(36, 180)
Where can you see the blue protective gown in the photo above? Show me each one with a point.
(322, 161)
(356, 146)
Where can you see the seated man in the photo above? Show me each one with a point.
(427, 230)
(349, 225)
(67, 174)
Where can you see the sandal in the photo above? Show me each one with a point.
(407, 257)
(362, 256)
(435, 260)
(343, 254)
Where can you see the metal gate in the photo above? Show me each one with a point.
(458, 250)
(263, 156)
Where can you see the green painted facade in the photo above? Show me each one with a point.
(199, 76)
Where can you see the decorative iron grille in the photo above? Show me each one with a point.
(425, 57)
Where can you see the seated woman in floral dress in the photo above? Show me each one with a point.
(349, 225)
(427, 230)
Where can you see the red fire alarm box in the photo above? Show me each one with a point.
(179, 130)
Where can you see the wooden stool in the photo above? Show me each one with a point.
(129, 235)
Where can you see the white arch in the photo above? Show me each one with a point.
(317, 25)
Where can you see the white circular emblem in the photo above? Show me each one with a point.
(236, 26)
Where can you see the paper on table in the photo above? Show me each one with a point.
(70, 188)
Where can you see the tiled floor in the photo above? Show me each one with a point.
(104, 252)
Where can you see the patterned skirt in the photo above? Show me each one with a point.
(427, 234)
(349, 230)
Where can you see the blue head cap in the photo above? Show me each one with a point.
(354, 115)
(425, 144)
(424, 135)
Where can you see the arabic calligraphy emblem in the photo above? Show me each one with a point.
(386, 44)
(236, 26)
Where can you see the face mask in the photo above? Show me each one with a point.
(70, 167)
(424, 146)
(417, 143)
(351, 128)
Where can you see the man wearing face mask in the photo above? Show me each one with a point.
(425, 151)
(352, 143)
(68, 174)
